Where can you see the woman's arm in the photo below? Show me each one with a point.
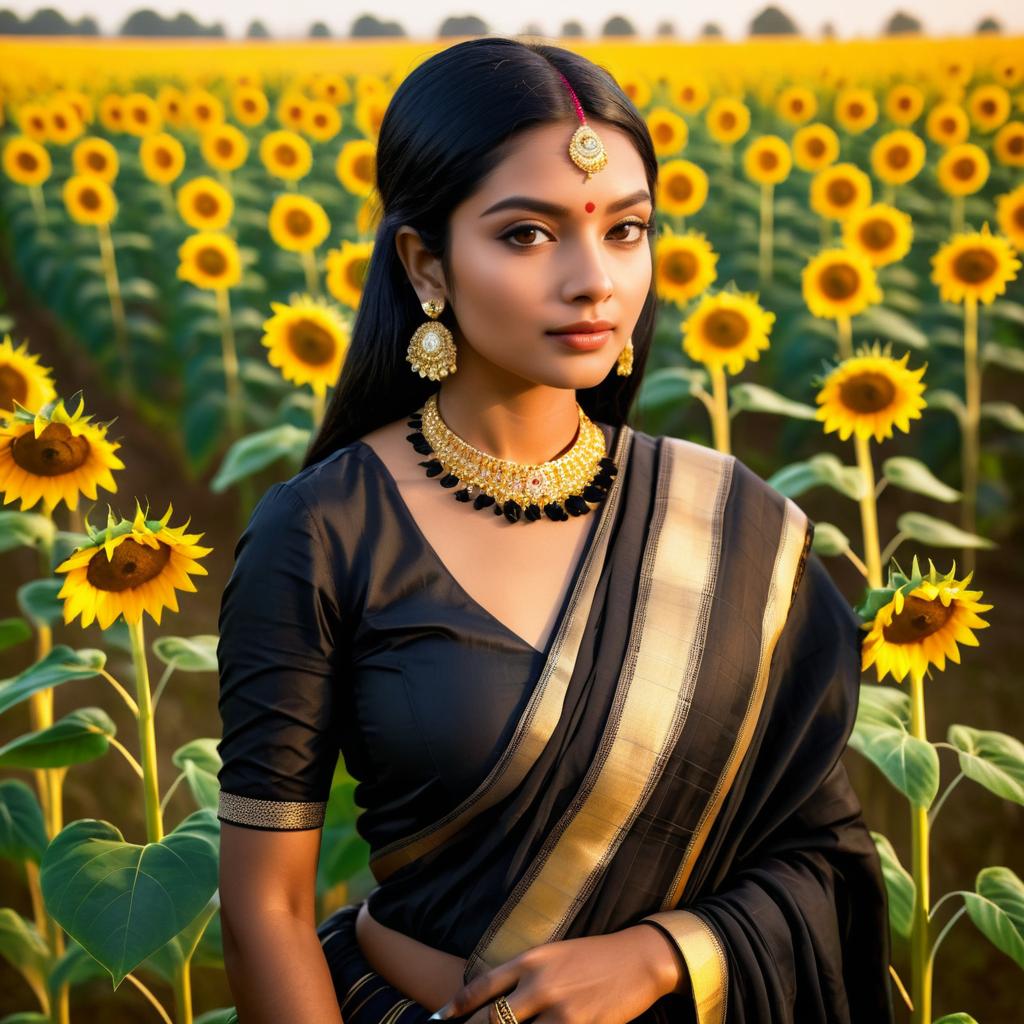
(275, 964)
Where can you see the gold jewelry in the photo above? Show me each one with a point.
(432, 348)
(624, 364)
(573, 481)
(504, 1011)
(586, 150)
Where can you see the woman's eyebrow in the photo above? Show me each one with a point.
(554, 210)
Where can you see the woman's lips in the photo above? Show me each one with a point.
(583, 342)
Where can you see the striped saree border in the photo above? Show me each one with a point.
(543, 710)
(677, 581)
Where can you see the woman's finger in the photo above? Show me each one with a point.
(481, 991)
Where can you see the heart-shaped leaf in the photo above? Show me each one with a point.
(997, 909)
(168, 961)
(188, 653)
(75, 967)
(22, 831)
(121, 901)
(899, 885)
(39, 602)
(59, 666)
(992, 759)
(25, 950)
(250, 454)
(82, 735)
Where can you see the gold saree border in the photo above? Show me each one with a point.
(790, 557)
(677, 581)
(542, 711)
(706, 962)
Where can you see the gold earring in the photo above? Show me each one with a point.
(624, 364)
(432, 348)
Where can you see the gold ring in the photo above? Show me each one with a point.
(505, 1014)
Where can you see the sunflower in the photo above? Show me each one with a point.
(22, 379)
(33, 122)
(975, 266)
(840, 190)
(368, 85)
(796, 104)
(322, 120)
(26, 161)
(170, 100)
(637, 88)
(904, 103)
(989, 106)
(94, 155)
(669, 132)
(356, 166)
(65, 123)
(291, 110)
(684, 265)
(205, 204)
(1008, 144)
(250, 105)
(815, 147)
(82, 104)
(1010, 215)
(297, 223)
(1009, 71)
(727, 330)
(202, 109)
(839, 283)
(307, 340)
(682, 187)
(129, 568)
(142, 115)
(111, 112)
(898, 156)
(163, 158)
(690, 93)
(922, 624)
(767, 160)
(956, 72)
(286, 155)
(346, 270)
(369, 214)
(947, 124)
(880, 232)
(856, 109)
(870, 393)
(224, 147)
(369, 114)
(333, 88)
(89, 199)
(54, 455)
(963, 169)
(210, 259)
(727, 119)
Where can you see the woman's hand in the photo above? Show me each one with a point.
(597, 979)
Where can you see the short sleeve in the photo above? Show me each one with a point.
(277, 658)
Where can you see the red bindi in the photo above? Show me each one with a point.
(589, 207)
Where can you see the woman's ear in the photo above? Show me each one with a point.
(421, 266)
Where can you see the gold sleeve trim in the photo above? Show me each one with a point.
(705, 960)
(271, 814)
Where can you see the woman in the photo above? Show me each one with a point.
(596, 735)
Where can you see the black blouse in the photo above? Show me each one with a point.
(342, 630)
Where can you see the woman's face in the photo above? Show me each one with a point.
(522, 270)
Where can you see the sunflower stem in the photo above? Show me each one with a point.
(147, 734)
(229, 357)
(920, 961)
(319, 402)
(969, 448)
(109, 259)
(765, 235)
(826, 231)
(844, 329)
(719, 409)
(956, 214)
(152, 999)
(38, 204)
(869, 511)
(309, 267)
(889, 194)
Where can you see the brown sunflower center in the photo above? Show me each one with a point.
(988, 107)
(680, 187)
(687, 94)
(796, 105)
(767, 160)
(948, 125)
(206, 205)
(89, 199)
(975, 265)
(320, 120)
(839, 281)
(95, 161)
(920, 618)
(898, 157)
(249, 106)
(357, 272)
(877, 234)
(286, 155)
(311, 342)
(60, 122)
(1018, 215)
(27, 161)
(298, 223)
(225, 147)
(815, 147)
(56, 451)
(364, 167)
(855, 109)
(162, 157)
(663, 132)
(841, 191)
(963, 169)
(727, 120)
(13, 386)
(867, 392)
(211, 261)
(903, 103)
(726, 328)
(681, 267)
(203, 112)
(132, 565)
(1015, 145)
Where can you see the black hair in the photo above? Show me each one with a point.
(443, 132)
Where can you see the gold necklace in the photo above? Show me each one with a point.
(568, 484)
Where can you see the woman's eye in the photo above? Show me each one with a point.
(533, 229)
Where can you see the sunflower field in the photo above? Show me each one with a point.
(184, 231)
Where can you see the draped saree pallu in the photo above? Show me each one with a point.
(677, 763)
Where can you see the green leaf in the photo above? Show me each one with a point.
(24, 949)
(670, 386)
(132, 240)
(899, 884)
(224, 1015)
(950, 401)
(254, 452)
(139, 289)
(75, 967)
(169, 960)
(1002, 355)
(992, 759)
(914, 475)
(997, 909)
(829, 540)
(13, 631)
(22, 832)
(823, 469)
(938, 533)
(755, 398)
(188, 653)
(887, 323)
(881, 734)
(957, 1018)
(200, 762)
(39, 601)
(60, 665)
(121, 901)
(25, 529)
(1006, 413)
(1002, 309)
(81, 735)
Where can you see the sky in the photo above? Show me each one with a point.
(422, 17)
